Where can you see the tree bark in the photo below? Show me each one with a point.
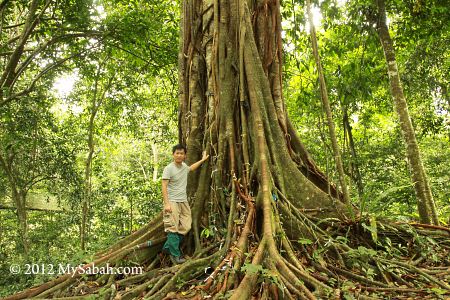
(19, 199)
(356, 175)
(94, 106)
(9, 72)
(425, 202)
(327, 108)
(155, 161)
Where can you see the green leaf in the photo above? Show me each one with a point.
(372, 228)
(305, 241)
(205, 233)
(438, 291)
(251, 268)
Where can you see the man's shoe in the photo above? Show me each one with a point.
(176, 260)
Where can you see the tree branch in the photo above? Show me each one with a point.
(3, 5)
(14, 59)
(11, 40)
(35, 180)
(13, 26)
(132, 54)
(42, 73)
(11, 52)
(3, 164)
(40, 49)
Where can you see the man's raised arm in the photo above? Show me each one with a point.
(194, 166)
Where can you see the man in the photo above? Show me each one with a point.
(177, 213)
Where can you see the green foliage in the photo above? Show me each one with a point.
(266, 274)
(362, 253)
(356, 78)
(51, 246)
(251, 268)
(45, 136)
(208, 232)
(372, 228)
(305, 241)
(37, 150)
(424, 245)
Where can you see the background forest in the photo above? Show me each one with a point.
(89, 111)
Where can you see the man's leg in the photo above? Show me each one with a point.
(172, 244)
(171, 223)
(185, 220)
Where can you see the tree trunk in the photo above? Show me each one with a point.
(425, 202)
(95, 104)
(155, 161)
(97, 99)
(19, 199)
(356, 175)
(327, 108)
(87, 181)
(131, 216)
(446, 95)
(231, 104)
(9, 73)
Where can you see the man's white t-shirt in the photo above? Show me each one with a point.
(177, 176)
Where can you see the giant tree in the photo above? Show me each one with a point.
(266, 221)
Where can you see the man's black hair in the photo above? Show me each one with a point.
(178, 147)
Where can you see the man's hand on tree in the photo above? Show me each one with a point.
(205, 156)
(195, 165)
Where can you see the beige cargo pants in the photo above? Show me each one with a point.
(179, 220)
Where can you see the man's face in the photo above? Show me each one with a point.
(179, 155)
